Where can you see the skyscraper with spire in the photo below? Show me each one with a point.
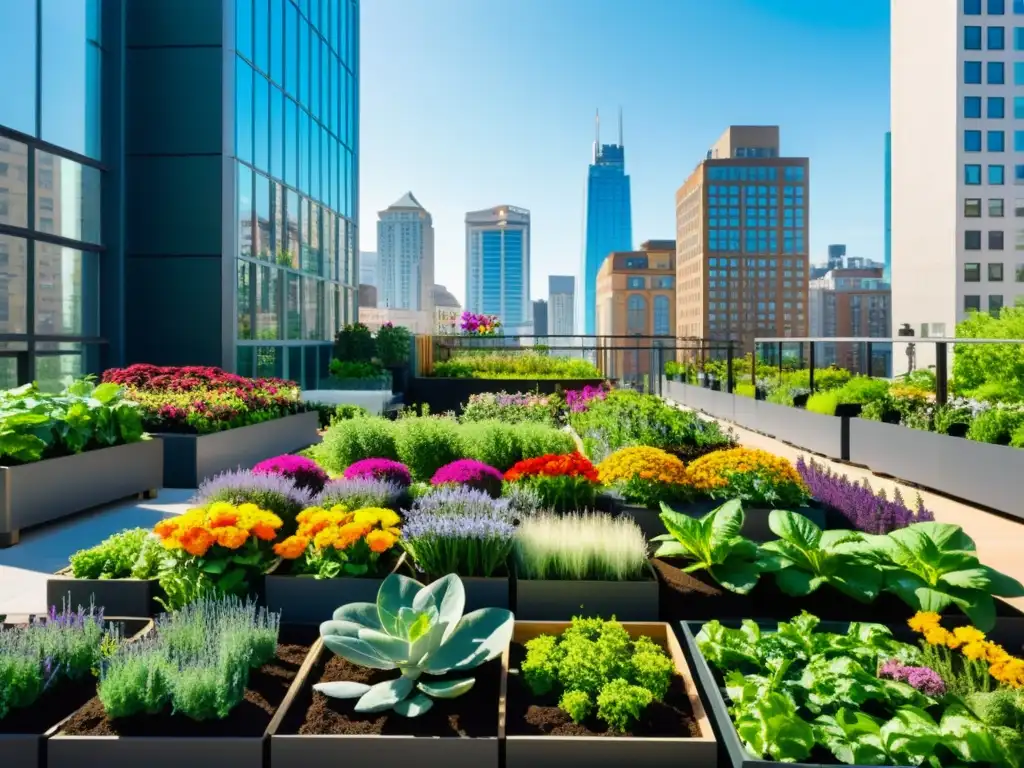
(609, 222)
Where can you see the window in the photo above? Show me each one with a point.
(1018, 38)
(972, 38)
(996, 38)
(1018, 174)
(1018, 107)
(995, 240)
(972, 174)
(1018, 7)
(972, 240)
(996, 107)
(996, 174)
(1018, 208)
(995, 272)
(996, 7)
(636, 311)
(635, 283)
(972, 141)
(972, 72)
(995, 207)
(972, 207)
(1018, 73)
(972, 7)
(996, 73)
(996, 141)
(972, 106)
(661, 316)
(972, 303)
(995, 304)
(1019, 272)
(666, 282)
(972, 272)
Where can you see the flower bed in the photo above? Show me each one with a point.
(512, 408)
(565, 482)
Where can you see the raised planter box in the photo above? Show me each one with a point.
(982, 471)
(372, 750)
(118, 597)
(190, 459)
(44, 491)
(720, 405)
(557, 600)
(492, 592)
(443, 395)
(825, 435)
(611, 751)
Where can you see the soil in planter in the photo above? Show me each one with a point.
(530, 715)
(474, 714)
(267, 688)
(52, 707)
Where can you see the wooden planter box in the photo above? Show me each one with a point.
(610, 751)
(48, 490)
(190, 459)
(558, 600)
(370, 751)
(927, 459)
(119, 597)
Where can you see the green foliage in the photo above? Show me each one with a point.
(513, 408)
(745, 390)
(131, 554)
(425, 444)
(996, 425)
(394, 344)
(354, 369)
(360, 438)
(713, 543)
(420, 631)
(859, 390)
(596, 661)
(998, 365)
(526, 364)
(36, 425)
(824, 403)
(355, 344)
(921, 378)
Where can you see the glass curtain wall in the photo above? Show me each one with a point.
(296, 150)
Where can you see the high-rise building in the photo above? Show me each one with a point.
(540, 319)
(851, 302)
(741, 235)
(609, 223)
(367, 296)
(561, 305)
(405, 256)
(636, 296)
(176, 185)
(368, 268)
(955, 162)
(498, 265)
(887, 276)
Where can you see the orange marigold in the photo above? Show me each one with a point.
(292, 547)
(230, 537)
(264, 531)
(197, 541)
(645, 463)
(380, 541)
(712, 471)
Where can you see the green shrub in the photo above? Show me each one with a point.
(347, 442)
(514, 365)
(131, 554)
(1000, 366)
(745, 390)
(862, 390)
(996, 425)
(427, 443)
(823, 402)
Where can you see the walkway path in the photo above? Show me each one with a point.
(1000, 540)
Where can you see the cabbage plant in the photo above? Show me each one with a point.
(418, 630)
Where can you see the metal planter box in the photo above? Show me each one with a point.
(48, 490)
(118, 597)
(825, 435)
(152, 752)
(558, 600)
(610, 751)
(926, 458)
(720, 405)
(371, 751)
(190, 459)
(491, 592)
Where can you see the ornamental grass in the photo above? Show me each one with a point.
(751, 475)
(580, 547)
(335, 542)
(646, 475)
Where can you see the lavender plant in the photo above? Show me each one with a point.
(361, 492)
(272, 492)
(866, 511)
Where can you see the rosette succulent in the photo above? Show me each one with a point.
(418, 630)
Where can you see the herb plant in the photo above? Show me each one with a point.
(272, 492)
(356, 493)
(580, 547)
(131, 554)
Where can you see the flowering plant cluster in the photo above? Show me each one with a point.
(511, 408)
(479, 324)
(472, 474)
(864, 510)
(203, 399)
(565, 482)
(644, 475)
(967, 661)
(359, 492)
(380, 469)
(751, 475)
(305, 473)
(335, 542)
(272, 492)
(578, 400)
(924, 679)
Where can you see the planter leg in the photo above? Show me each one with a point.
(9, 539)
(150, 494)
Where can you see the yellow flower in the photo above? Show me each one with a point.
(389, 519)
(973, 651)
(968, 635)
(230, 537)
(292, 547)
(325, 538)
(642, 462)
(368, 515)
(924, 620)
(713, 471)
(380, 541)
(936, 636)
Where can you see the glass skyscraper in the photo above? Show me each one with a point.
(498, 265)
(609, 217)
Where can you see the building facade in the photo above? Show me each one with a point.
(852, 301)
(540, 320)
(368, 268)
(609, 218)
(887, 276)
(498, 265)
(741, 233)
(405, 256)
(957, 226)
(561, 305)
(367, 296)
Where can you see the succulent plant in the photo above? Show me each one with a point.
(419, 630)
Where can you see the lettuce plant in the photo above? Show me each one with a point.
(713, 543)
(419, 631)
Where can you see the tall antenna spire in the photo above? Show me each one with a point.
(620, 127)
(597, 127)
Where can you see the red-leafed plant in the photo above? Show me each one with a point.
(565, 482)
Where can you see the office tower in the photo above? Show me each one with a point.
(562, 305)
(851, 301)
(367, 296)
(498, 265)
(836, 254)
(405, 256)
(741, 234)
(636, 296)
(887, 276)
(955, 237)
(609, 222)
(540, 320)
(368, 268)
(179, 213)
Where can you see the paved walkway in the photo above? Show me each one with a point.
(1000, 540)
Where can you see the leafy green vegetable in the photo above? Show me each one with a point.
(131, 554)
(714, 544)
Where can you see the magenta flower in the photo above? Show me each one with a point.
(305, 473)
(471, 473)
(924, 679)
(380, 469)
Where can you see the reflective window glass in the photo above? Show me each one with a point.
(291, 143)
(262, 247)
(244, 292)
(67, 290)
(268, 301)
(243, 110)
(291, 49)
(14, 183)
(13, 285)
(312, 307)
(75, 189)
(70, 112)
(243, 27)
(293, 306)
(276, 133)
(18, 71)
(304, 62)
(277, 41)
(261, 31)
(260, 121)
(245, 210)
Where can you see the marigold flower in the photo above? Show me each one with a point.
(368, 515)
(166, 528)
(223, 517)
(923, 620)
(389, 518)
(936, 636)
(325, 538)
(264, 531)
(968, 635)
(380, 541)
(291, 548)
(973, 651)
(230, 537)
(197, 541)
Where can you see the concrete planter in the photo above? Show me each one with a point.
(611, 751)
(825, 435)
(118, 597)
(557, 600)
(190, 459)
(927, 458)
(48, 490)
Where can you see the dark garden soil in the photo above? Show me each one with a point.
(472, 715)
(267, 688)
(530, 715)
(52, 707)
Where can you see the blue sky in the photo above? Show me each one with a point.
(474, 103)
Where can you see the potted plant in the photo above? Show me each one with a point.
(583, 564)
(432, 712)
(565, 482)
(394, 346)
(600, 693)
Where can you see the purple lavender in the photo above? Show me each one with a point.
(380, 469)
(924, 679)
(464, 544)
(359, 492)
(864, 510)
(460, 501)
(275, 493)
(472, 474)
